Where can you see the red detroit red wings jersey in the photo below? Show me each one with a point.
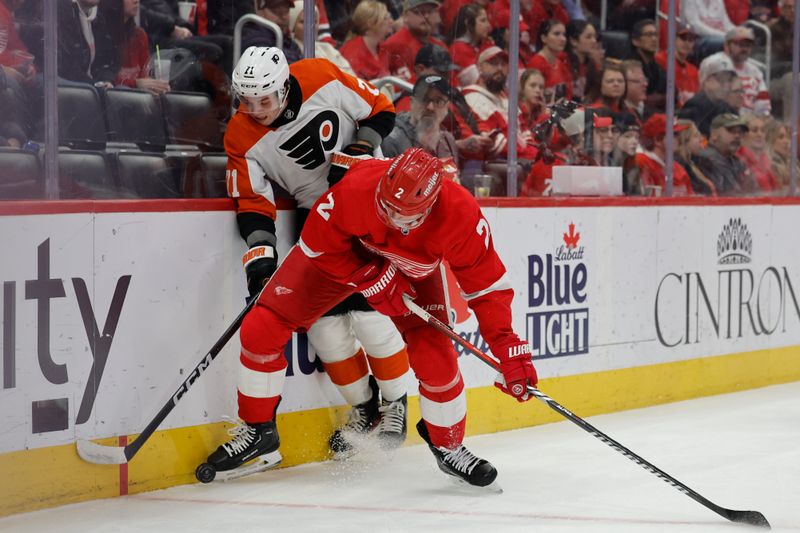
(296, 155)
(345, 218)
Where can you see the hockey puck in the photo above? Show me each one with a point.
(205, 473)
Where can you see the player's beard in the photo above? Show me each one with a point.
(496, 84)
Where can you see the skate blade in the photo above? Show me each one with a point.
(491, 488)
(264, 462)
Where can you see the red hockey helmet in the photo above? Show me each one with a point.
(407, 191)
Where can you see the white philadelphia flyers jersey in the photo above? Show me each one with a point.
(324, 110)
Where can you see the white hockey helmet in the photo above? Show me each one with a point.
(261, 71)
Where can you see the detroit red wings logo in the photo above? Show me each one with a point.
(308, 146)
(458, 305)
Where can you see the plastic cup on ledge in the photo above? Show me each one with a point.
(483, 185)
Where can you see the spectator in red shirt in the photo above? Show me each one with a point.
(488, 100)
(754, 152)
(365, 52)
(541, 11)
(471, 32)
(15, 58)
(651, 160)
(687, 80)
(531, 102)
(610, 90)
(449, 9)
(419, 20)
(552, 61)
(132, 44)
(501, 35)
(738, 10)
(585, 55)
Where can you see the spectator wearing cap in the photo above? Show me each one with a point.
(719, 161)
(585, 55)
(687, 81)
(709, 19)
(754, 152)
(636, 90)
(552, 61)
(604, 137)
(644, 45)
(715, 85)
(460, 120)
(276, 11)
(650, 161)
(422, 125)
(488, 99)
(471, 32)
(687, 149)
(420, 18)
(738, 48)
(365, 52)
(322, 49)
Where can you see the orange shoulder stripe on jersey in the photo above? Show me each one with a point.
(242, 134)
(392, 367)
(349, 370)
(313, 73)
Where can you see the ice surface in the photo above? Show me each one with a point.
(741, 451)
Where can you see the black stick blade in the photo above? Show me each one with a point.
(753, 518)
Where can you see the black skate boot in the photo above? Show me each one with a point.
(257, 441)
(393, 426)
(361, 420)
(460, 462)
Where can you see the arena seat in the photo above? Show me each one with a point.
(205, 177)
(190, 120)
(147, 175)
(21, 175)
(80, 117)
(135, 116)
(616, 43)
(90, 170)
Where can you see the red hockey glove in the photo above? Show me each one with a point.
(516, 369)
(383, 287)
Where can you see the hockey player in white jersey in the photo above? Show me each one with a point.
(291, 121)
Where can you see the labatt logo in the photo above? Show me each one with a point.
(556, 289)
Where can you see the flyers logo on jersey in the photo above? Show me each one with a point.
(308, 146)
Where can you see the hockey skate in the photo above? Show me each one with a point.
(361, 420)
(392, 428)
(460, 462)
(234, 459)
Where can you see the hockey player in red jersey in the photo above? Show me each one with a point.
(291, 121)
(384, 231)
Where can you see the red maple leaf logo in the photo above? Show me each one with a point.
(571, 239)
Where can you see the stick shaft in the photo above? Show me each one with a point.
(583, 424)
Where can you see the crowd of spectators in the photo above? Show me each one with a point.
(731, 138)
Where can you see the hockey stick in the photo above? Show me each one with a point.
(753, 518)
(115, 455)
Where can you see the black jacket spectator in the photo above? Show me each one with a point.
(74, 55)
(701, 110)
